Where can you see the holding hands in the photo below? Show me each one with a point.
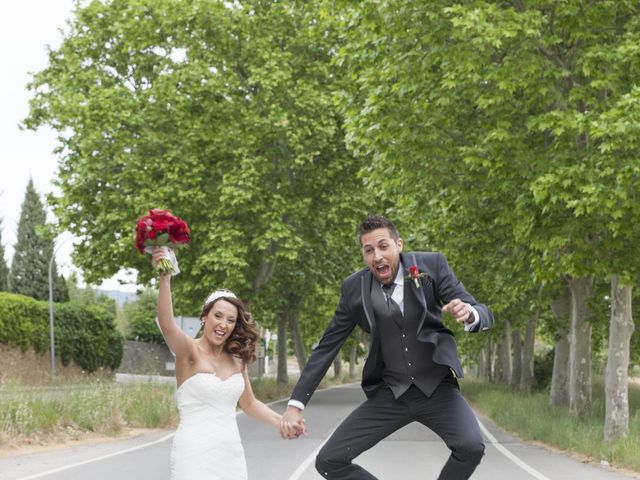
(292, 424)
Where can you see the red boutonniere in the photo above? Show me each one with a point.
(415, 274)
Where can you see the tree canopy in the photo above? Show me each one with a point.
(503, 134)
(221, 113)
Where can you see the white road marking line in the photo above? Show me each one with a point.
(310, 459)
(526, 467)
(305, 464)
(96, 459)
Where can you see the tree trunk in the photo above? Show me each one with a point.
(482, 371)
(580, 388)
(265, 271)
(353, 360)
(267, 267)
(527, 377)
(503, 364)
(616, 420)
(516, 358)
(298, 342)
(337, 365)
(282, 376)
(490, 359)
(559, 392)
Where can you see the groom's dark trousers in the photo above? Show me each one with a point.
(415, 389)
(446, 413)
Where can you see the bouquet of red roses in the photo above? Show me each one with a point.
(160, 228)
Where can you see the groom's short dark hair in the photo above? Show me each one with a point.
(374, 222)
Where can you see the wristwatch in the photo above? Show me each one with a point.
(471, 318)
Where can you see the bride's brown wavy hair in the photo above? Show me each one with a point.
(243, 339)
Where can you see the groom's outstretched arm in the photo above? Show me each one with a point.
(321, 358)
(323, 354)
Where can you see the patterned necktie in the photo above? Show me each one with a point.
(388, 291)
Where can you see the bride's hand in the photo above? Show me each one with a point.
(292, 424)
(157, 254)
(164, 261)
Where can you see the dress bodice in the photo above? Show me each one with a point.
(207, 392)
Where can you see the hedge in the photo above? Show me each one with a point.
(84, 334)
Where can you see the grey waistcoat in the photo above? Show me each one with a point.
(406, 360)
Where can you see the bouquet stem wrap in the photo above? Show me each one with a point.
(168, 265)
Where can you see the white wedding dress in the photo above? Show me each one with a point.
(207, 444)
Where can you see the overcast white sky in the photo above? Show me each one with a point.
(26, 28)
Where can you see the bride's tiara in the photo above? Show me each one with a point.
(219, 294)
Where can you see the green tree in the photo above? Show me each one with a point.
(84, 295)
(533, 102)
(222, 114)
(4, 269)
(29, 273)
(140, 316)
(60, 290)
(234, 108)
(403, 110)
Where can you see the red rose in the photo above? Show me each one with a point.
(415, 275)
(413, 271)
(161, 228)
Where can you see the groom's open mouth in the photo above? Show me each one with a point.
(383, 270)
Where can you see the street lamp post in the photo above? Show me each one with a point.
(52, 344)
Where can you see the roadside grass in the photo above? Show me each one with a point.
(98, 407)
(74, 411)
(530, 417)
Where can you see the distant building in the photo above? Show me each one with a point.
(189, 325)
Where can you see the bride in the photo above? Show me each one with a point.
(212, 378)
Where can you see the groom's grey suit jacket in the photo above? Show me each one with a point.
(437, 288)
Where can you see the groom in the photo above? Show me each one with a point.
(412, 368)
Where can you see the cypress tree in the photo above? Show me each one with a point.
(60, 287)
(4, 268)
(29, 273)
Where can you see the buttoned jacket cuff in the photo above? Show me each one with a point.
(296, 403)
(471, 326)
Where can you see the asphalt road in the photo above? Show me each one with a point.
(413, 453)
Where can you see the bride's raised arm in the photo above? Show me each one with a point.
(176, 339)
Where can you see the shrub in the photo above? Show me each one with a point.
(84, 334)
